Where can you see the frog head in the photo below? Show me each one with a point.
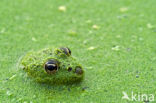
(54, 66)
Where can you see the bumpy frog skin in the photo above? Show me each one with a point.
(54, 66)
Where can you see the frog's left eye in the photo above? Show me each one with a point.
(51, 66)
(66, 50)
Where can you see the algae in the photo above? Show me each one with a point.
(67, 70)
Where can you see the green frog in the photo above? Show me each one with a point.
(52, 65)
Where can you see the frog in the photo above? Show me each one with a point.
(52, 66)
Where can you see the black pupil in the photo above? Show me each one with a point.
(51, 65)
(69, 50)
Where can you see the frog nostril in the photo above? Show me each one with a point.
(69, 69)
(78, 70)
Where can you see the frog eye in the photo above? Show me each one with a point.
(51, 66)
(67, 51)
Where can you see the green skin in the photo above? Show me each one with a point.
(34, 64)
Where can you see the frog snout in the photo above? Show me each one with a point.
(78, 70)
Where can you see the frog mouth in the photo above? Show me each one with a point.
(78, 70)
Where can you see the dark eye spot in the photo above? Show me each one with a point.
(67, 51)
(51, 66)
(78, 70)
(69, 69)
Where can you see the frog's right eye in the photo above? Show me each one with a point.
(66, 50)
(51, 66)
